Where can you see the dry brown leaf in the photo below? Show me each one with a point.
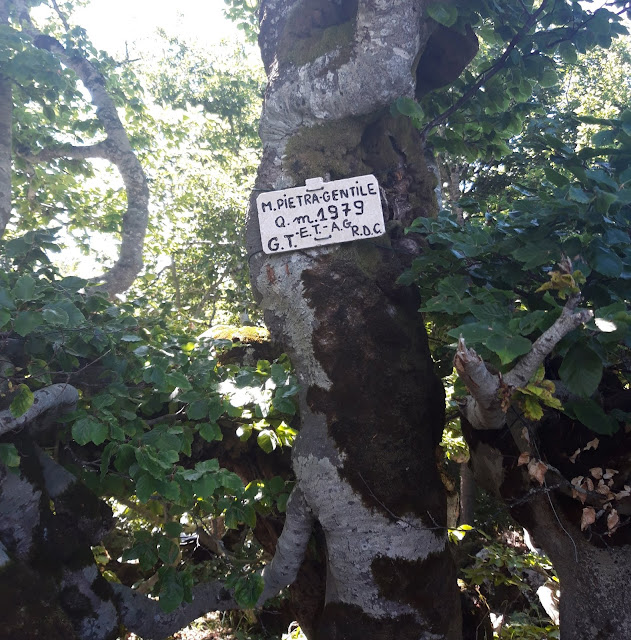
(592, 444)
(588, 517)
(574, 456)
(524, 458)
(610, 473)
(597, 472)
(525, 435)
(623, 494)
(613, 520)
(587, 484)
(537, 470)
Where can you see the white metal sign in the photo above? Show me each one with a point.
(320, 213)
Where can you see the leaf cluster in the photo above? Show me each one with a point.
(154, 406)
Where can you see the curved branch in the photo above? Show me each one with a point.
(483, 407)
(569, 320)
(117, 149)
(290, 548)
(144, 617)
(62, 397)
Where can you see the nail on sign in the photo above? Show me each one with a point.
(320, 213)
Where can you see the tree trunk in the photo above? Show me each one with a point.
(592, 564)
(569, 488)
(371, 405)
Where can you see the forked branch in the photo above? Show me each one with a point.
(483, 407)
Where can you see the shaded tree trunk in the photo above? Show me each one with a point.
(371, 405)
(553, 475)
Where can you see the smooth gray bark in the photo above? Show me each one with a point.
(116, 148)
(371, 407)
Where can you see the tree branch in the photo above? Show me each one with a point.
(99, 150)
(117, 149)
(290, 548)
(62, 397)
(569, 320)
(483, 407)
(497, 66)
(144, 617)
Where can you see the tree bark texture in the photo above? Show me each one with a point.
(371, 405)
(553, 474)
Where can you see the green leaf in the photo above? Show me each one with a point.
(606, 262)
(168, 551)
(55, 316)
(24, 288)
(210, 431)
(178, 379)
(267, 440)
(9, 454)
(548, 79)
(567, 51)
(6, 301)
(556, 178)
(5, 316)
(508, 347)
(22, 401)
(472, 332)
(172, 529)
(171, 592)
(206, 486)
(578, 195)
(443, 14)
(581, 370)
(409, 107)
(230, 481)
(248, 590)
(89, 430)
(75, 316)
(197, 410)
(593, 417)
(146, 485)
(27, 321)
(284, 405)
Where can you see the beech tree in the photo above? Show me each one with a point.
(368, 439)
(354, 88)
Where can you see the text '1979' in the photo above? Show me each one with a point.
(320, 213)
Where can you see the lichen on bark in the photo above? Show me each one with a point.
(371, 406)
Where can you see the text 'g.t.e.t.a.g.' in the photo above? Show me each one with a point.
(320, 213)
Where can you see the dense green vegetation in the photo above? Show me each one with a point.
(534, 139)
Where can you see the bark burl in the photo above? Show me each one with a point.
(371, 406)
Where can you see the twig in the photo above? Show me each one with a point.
(485, 76)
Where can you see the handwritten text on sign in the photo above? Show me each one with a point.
(320, 213)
